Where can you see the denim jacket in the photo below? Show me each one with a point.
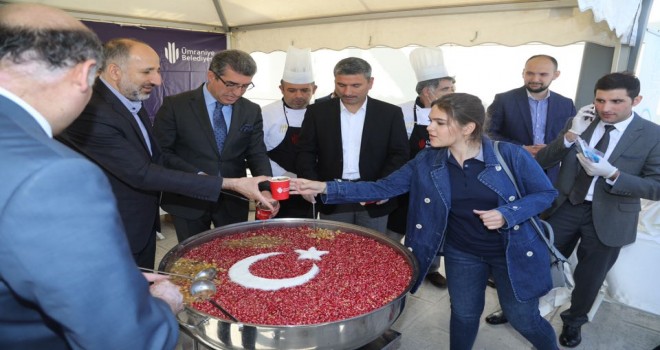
(426, 177)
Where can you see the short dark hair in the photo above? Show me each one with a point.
(433, 83)
(56, 48)
(239, 61)
(621, 80)
(352, 66)
(552, 59)
(464, 108)
(118, 50)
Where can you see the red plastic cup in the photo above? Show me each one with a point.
(279, 187)
(262, 212)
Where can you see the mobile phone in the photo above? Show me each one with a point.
(592, 154)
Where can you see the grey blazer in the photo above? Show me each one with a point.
(615, 208)
(78, 242)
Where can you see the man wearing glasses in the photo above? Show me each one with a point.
(213, 130)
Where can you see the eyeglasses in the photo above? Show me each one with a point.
(233, 86)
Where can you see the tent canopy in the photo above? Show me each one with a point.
(266, 26)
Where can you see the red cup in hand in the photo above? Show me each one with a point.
(262, 212)
(279, 187)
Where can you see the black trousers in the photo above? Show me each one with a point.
(573, 226)
(147, 256)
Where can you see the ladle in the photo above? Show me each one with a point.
(204, 290)
(207, 274)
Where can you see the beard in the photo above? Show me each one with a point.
(132, 91)
(541, 88)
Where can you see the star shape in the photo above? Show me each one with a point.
(311, 254)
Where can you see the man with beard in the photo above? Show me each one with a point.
(114, 131)
(531, 115)
(282, 121)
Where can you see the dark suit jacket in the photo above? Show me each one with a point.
(384, 146)
(63, 248)
(107, 133)
(509, 119)
(616, 208)
(185, 133)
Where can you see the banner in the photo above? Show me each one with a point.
(184, 55)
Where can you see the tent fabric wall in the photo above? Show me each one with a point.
(558, 27)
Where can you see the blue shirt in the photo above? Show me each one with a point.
(210, 101)
(465, 230)
(539, 111)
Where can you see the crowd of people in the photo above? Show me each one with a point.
(80, 153)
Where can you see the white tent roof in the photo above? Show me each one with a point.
(269, 25)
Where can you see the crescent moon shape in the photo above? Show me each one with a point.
(240, 273)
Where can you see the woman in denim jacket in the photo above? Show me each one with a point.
(463, 204)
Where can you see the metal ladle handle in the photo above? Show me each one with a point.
(215, 303)
(166, 273)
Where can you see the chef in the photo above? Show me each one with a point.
(433, 82)
(282, 121)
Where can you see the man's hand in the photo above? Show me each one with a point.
(154, 277)
(492, 219)
(274, 205)
(583, 119)
(249, 187)
(169, 292)
(534, 149)
(603, 168)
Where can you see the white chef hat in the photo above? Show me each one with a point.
(428, 63)
(298, 66)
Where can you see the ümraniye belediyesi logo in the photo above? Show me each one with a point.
(173, 54)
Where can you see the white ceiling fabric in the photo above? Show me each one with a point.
(551, 26)
(270, 25)
(622, 19)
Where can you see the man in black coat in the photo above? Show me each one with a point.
(353, 138)
(114, 131)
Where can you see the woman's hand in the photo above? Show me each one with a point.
(306, 187)
(492, 219)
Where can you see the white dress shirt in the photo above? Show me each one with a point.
(352, 125)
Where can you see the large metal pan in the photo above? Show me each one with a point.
(349, 333)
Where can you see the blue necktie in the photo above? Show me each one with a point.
(219, 126)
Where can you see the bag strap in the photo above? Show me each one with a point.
(550, 240)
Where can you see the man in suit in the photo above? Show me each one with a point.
(531, 115)
(114, 131)
(600, 206)
(282, 121)
(67, 278)
(353, 137)
(213, 130)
